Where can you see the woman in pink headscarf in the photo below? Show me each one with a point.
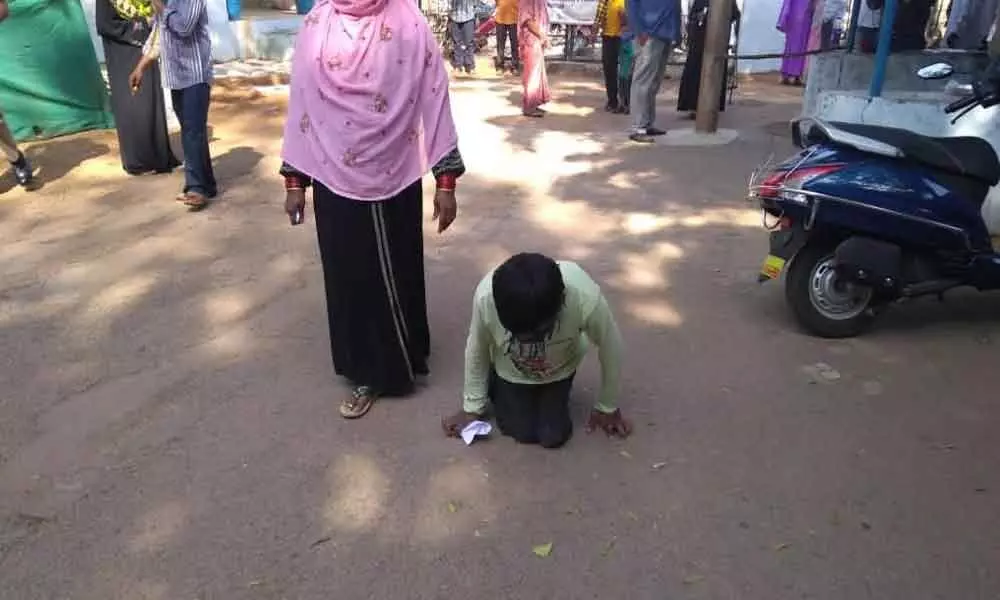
(369, 115)
(533, 26)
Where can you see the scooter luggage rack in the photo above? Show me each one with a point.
(812, 200)
(754, 188)
(769, 164)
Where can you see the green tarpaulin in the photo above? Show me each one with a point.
(50, 82)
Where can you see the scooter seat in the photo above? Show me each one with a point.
(970, 157)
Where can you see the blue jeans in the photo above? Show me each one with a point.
(463, 35)
(191, 108)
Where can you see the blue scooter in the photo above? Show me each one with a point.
(864, 216)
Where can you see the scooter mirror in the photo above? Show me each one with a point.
(936, 71)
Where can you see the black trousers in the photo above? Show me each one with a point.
(610, 48)
(373, 273)
(533, 413)
(504, 33)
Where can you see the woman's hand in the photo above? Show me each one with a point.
(295, 206)
(613, 424)
(454, 424)
(445, 209)
(546, 44)
(135, 79)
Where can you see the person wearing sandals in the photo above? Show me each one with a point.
(533, 27)
(532, 321)
(140, 115)
(181, 41)
(364, 155)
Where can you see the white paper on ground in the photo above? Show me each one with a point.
(475, 429)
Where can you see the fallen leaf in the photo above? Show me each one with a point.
(693, 579)
(625, 454)
(573, 512)
(452, 507)
(608, 547)
(782, 547)
(659, 465)
(945, 447)
(542, 550)
(321, 541)
(631, 515)
(866, 525)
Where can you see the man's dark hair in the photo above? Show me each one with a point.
(528, 291)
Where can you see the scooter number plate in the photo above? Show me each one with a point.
(772, 267)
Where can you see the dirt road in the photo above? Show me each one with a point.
(168, 424)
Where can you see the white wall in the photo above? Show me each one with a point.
(758, 35)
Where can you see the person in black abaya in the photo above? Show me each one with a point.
(687, 96)
(140, 115)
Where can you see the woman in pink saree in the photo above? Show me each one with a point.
(368, 116)
(533, 25)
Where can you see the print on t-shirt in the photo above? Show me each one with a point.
(534, 359)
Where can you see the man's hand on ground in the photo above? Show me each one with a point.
(454, 424)
(613, 424)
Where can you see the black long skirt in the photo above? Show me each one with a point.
(140, 119)
(373, 269)
(687, 95)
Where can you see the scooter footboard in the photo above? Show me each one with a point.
(870, 262)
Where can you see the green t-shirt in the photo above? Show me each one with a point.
(585, 316)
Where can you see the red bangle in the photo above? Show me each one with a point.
(294, 182)
(446, 181)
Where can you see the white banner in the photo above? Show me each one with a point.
(572, 12)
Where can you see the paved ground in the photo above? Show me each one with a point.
(167, 412)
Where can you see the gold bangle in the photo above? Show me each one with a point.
(443, 189)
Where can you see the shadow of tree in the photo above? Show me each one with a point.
(168, 424)
(54, 159)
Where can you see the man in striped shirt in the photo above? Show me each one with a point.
(181, 39)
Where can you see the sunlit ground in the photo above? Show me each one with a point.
(168, 423)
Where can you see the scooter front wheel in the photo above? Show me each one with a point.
(824, 304)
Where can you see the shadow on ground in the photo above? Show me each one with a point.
(168, 425)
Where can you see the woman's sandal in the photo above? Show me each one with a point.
(534, 114)
(359, 403)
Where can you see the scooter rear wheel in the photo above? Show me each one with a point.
(823, 305)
